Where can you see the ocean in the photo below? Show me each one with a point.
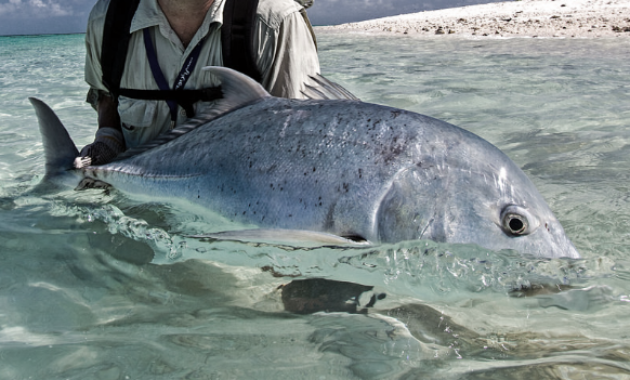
(97, 286)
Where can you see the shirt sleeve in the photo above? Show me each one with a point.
(93, 47)
(287, 56)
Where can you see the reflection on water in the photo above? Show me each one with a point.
(93, 285)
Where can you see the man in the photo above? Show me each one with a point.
(171, 40)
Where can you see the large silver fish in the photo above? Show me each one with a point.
(342, 170)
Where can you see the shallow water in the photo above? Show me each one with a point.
(94, 285)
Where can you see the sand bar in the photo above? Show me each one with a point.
(525, 18)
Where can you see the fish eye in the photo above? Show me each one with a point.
(517, 221)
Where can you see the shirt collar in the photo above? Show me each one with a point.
(150, 14)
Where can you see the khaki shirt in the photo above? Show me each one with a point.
(284, 49)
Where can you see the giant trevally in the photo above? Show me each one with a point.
(317, 169)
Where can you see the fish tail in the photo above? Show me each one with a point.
(59, 149)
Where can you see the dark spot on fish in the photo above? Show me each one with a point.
(329, 222)
(314, 169)
(390, 153)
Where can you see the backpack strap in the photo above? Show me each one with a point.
(116, 38)
(239, 18)
(309, 25)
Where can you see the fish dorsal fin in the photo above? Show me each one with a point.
(238, 90)
(59, 149)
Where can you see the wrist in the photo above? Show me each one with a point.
(111, 137)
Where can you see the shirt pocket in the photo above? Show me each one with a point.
(138, 119)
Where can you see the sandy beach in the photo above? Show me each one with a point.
(524, 18)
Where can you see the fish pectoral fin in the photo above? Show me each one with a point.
(293, 238)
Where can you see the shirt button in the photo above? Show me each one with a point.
(182, 112)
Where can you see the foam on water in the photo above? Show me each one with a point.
(93, 285)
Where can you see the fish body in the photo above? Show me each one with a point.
(350, 169)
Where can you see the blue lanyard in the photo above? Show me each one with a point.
(182, 78)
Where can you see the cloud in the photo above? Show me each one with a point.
(327, 12)
(70, 16)
(34, 8)
(44, 16)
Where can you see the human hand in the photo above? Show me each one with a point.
(108, 143)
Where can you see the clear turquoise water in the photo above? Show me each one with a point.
(93, 285)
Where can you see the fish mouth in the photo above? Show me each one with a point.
(563, 246)
(568, 249)
(547, 242)
(554, 243)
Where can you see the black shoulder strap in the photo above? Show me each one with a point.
(239, 18)
(116, 41)
(309, 25)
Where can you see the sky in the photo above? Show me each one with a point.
(70, 16)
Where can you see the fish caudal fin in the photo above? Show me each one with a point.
(59, 149)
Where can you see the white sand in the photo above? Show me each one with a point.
(525, 18)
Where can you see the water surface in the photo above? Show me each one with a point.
(94, 285)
